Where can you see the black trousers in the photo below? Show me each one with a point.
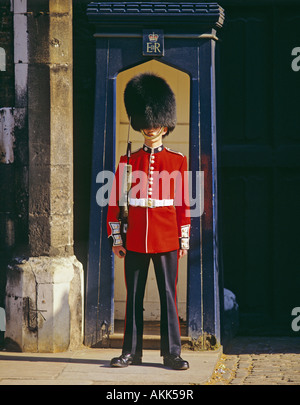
(166, 272)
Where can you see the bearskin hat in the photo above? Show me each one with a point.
(150, 102)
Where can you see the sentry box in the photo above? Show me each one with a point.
(177, 41)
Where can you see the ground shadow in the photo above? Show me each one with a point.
(262, 345)
(41, 359)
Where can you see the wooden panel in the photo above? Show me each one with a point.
(259, 147)
(246, 238)
(245, 65)
(286, 224)
(286, 81)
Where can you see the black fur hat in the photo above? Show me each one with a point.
(150, 102)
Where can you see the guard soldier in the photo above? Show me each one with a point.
(158, 225)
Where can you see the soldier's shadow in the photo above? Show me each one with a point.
(106, 364)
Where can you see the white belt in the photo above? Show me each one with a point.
(150, 202)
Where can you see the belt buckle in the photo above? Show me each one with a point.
(150, 203)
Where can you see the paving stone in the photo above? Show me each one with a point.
(260, 361)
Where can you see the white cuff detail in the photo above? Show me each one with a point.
(185, 237)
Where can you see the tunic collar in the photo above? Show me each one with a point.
(153, 150)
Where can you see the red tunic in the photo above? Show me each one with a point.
(158, 217)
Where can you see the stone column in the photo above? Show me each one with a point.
(50, 120)
(44, 292)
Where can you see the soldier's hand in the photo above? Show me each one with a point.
(119, 251)
(182, 252)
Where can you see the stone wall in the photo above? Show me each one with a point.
(7, 169)
(44, 289)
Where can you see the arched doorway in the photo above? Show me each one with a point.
(179, 141)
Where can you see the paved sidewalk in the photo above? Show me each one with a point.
(247, 361)
(259, 361)
(91, 366)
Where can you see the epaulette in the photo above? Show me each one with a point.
(174, 151)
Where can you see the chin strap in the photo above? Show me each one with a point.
(153, 137)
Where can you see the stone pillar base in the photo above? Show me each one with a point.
(44, 305)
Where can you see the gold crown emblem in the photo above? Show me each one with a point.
(153, 37)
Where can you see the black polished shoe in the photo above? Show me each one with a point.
(175, 362)
(125, 360)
